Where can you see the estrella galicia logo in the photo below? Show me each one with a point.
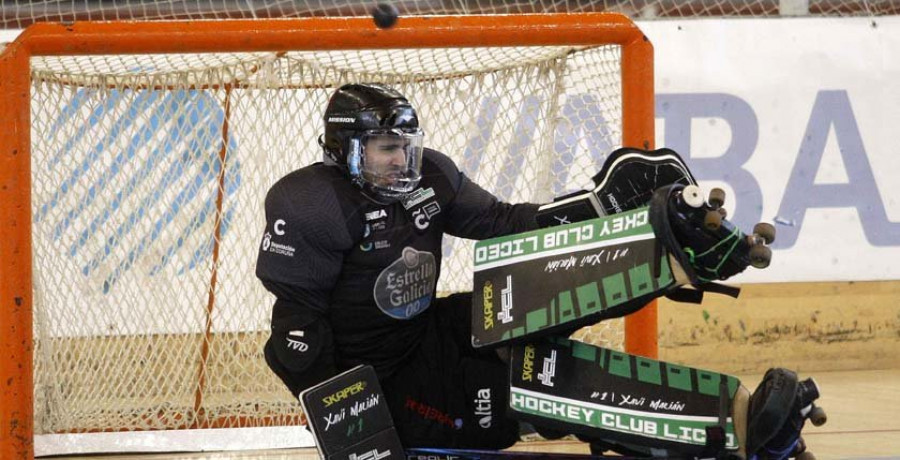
(405, 288)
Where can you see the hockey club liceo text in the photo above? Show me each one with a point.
(674, 428)
(565, 236)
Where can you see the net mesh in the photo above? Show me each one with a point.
(149, 176)
(18, 14)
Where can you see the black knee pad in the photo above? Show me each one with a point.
(300, 349)
(297, 341)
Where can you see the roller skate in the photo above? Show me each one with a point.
(777, 412)
(705, 246)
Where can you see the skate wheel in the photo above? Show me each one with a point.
(760, 256)
(712, 220)
(766, 231)
(716, 198)
(817, 416)
(801, 446)
(693, 196)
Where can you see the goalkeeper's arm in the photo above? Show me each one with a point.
(301, 348)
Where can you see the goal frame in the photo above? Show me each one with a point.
(86, 38)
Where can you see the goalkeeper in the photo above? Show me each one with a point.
(352, 253)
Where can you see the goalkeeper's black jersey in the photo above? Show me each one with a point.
(371, 269)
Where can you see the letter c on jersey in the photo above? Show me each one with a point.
(421, 220)
(279, 227)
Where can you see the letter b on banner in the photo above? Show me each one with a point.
(677, 111)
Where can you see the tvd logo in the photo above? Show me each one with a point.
(294, 342)
(483, 407)
(404, 289)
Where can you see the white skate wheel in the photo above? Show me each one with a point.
(693, 196)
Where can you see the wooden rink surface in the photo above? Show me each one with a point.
(846, 335)
(862, 408)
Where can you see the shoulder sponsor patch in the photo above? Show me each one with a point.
(276, 248)
(417, 196)
(375, 215)
(422, 216)
(279, 227)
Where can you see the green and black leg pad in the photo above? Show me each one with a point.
(643, 405)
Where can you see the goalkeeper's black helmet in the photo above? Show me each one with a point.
(372, 132)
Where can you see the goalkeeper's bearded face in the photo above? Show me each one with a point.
(392, 161)
(385, 159)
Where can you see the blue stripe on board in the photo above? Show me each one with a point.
(94, 155)
(173, 137)
(175, 116)
(207, 133)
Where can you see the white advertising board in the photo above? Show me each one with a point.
(795, 119)
(792, 117)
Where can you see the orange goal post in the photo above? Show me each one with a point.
(135, 157)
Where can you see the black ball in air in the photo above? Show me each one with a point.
(385, 15)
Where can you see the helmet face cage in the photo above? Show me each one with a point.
(372, 132)
(386, 162)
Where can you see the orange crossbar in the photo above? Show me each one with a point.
(16, 361)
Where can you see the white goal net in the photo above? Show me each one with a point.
(149, 174)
